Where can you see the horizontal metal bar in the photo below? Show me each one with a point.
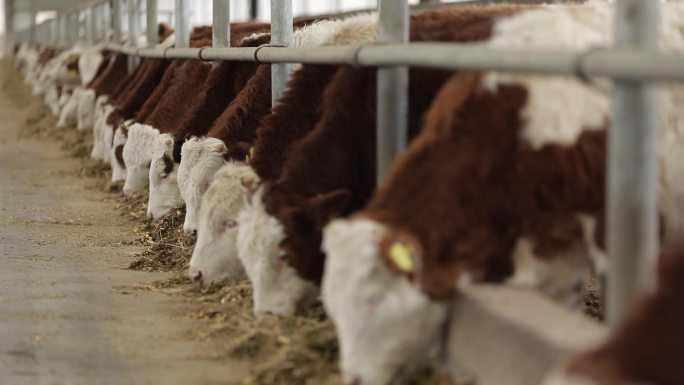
(623, 64)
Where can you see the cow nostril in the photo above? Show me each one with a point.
(195, 275)
(355, 380)
(191, 232)
(150, 216)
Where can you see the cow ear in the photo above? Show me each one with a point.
(250, 183)
(324, 207)
(402, 253)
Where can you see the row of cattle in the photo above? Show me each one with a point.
(503, 180)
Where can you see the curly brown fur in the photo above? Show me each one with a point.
(239, 121)
(224, 81)
(112, 76)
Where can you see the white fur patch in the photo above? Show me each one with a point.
(118, 170)
(200, 160)
(68, 115)
(373, 309)
(86, 110)
(137, 154)
(164, 193)
(559, 108)
(215, 253)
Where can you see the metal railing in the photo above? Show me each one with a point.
(634, 63)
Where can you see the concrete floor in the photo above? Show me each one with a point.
(70, 312)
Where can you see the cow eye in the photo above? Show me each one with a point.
(163, 176)
(283, 256)
(229, 223)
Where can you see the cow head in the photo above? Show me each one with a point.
(102, 111)
(384, 323)
(86, 109)
(164, 193)
(276, 286)
(215, 255)
(137, 155)
(267, 245)
(200, 160)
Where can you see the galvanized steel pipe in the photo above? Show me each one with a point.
(281, 35)
(182, 14)
(152, 29)
(392, 92)
(632, 236)
(621, 63)
(116, 21)
(221, 24)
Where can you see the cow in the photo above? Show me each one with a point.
(202, 157)
(215, 254)
(504, 184)
(331, 171)
(648, 347)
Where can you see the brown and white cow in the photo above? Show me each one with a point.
(504, 184)
(331, 171)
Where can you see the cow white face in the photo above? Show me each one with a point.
(215, 257)
(86, 110)
(164, 194)
(52, 99)
(117, 161)
(277, 287)
(68, 102)
(102, 111)
(107, 139)
(137, 154)
(384, 323)
(200, 160)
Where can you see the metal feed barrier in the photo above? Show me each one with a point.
(634, 63)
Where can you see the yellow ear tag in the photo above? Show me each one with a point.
(250, 155)
(401, 254)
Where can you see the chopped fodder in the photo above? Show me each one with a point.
(592, 303)
(134, 207)
(92, 168)
(169, 247)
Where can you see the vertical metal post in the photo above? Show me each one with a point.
(89, 25)
(63, 30)
(392, 93)
(221, 24)
(152, 29)
(133, 22)
(633, 168)
(106, 21)
(97, 22)
(133, 31)
(281, 34)
(182, 23)
(116, 21)
(254, 9)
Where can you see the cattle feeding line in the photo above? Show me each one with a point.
(633, 63)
